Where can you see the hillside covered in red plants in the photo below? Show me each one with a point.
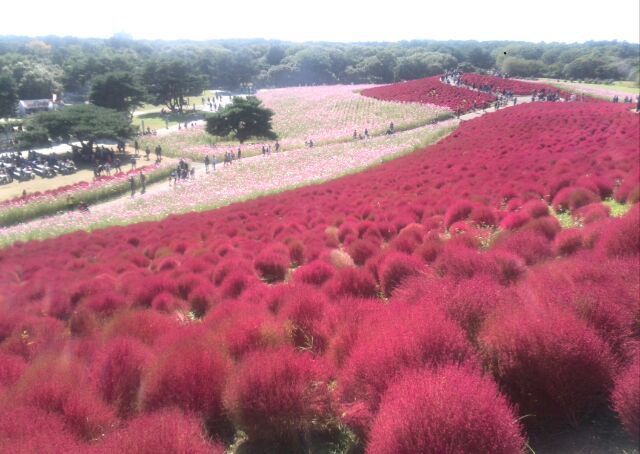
(431, 90)
(424, 305)
(517, 87)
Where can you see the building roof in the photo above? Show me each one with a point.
(35, 103)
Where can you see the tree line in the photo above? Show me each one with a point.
(167, 72)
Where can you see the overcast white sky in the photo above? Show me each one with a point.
(328, 20)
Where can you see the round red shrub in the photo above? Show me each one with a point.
(251, 333)
(568, 241)
(459, 211)
(400, 337)
(236, 283)
(572, 198)
(143, 325)
(395, 268)
(621, 237)
(168, 303)
(169, 431)
(459, 262)
(626, 398)
(429, 250)
(514, 220)
(535, 208)
(361, 250)
(275, 395)
(630, 184)
(272, 266)
(483, 215)
(508, 267)
(25, 429)
(352, 282)
(530, 246)
(592, 212)
(536, 355)
(190, 374)
(303, 310)
(296, 251)
(118, 374)
(548, 226)
(202, 298)
(187, 282)
(11, 368)
(314, 273)
(105, 303)
(447, 410)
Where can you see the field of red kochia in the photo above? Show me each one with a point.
(517, 87)
(431, 90)
(438, 284)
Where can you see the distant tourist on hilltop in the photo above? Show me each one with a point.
(132, 183)
(143, 185)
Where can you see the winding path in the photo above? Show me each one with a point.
(251, 177)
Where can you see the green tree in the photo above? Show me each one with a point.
(170, 80)
(117, 90)
(8, 96)
(243, 118)
(85, 123)
(39, 82)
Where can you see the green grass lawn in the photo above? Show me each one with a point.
(156, 120)
(150, 113)
(625, 86)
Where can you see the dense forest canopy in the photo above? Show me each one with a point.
(69, 66)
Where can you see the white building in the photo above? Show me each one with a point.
(29, 106)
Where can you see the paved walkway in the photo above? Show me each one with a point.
(164, 186)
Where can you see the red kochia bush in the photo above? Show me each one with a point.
(189, 373)
(535, 208)
(483, 215)
(459, 262)
(626, 398)
(202, 298)
(55, 384)
(352, 282)
(275, 395)
(25, 429)
(303, 310)
(530, 246)
(272, 265)
(401, 337)
(514, 220)
(395, 269)
(118, 373)
(449, 410)
(315, 273)
(11, 367)
(539, 357)
(621, 237)
(573, 197)
(459, 211)
(169, 431)
(568, 241)
(361, 250)
(592, 212)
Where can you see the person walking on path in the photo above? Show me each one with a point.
(239, 153)
(136, 146)
(206, 164)
(143, 185)
(133, 162)
(213, 162)
(147, 152)
(132, 183)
